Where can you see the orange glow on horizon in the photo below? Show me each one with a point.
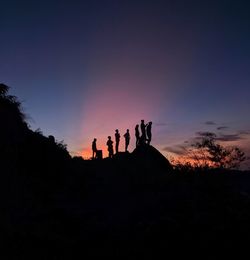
(87, 153)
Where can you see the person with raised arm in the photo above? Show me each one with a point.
(149, 132)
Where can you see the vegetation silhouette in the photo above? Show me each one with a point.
(215, 155)
(208, 153)
(133, 206)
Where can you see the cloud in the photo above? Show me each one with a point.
(229, 137)
(204, 134)
(220, 137)
(244, 132)
(210, 123)
(177, 149)
(222, 127)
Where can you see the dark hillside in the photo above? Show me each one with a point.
(132, 206)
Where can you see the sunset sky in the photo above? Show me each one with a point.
(84, 68)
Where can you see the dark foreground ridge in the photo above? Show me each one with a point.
(134, 206)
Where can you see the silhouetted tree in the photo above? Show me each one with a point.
(17, 140)
(215, 155)
(12, 121)
(3, 90)
(10, 106)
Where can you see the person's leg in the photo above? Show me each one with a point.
(149, 139)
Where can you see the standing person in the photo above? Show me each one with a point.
(143, 132)
(149, 132)
(117, 140)
(110, 147)
(137, 135)
(94, 148)
(127, 139)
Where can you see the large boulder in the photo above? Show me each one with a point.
(150, 158)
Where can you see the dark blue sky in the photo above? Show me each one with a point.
(85, 68)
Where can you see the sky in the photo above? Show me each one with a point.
(85, 68)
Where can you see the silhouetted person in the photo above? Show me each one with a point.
(143, 132)
(110, 147)
(117, 140)
(94, 148)
(137, 135)
(149, 132)
(127, 139)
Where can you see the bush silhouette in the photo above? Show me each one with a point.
(218, 156)
(20, 146)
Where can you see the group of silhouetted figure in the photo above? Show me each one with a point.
(141, 139)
